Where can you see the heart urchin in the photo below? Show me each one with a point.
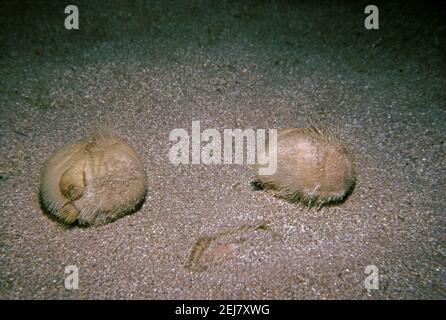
(313, 167)
(93, 181)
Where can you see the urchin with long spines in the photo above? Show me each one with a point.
(313, 167)
(93, 181)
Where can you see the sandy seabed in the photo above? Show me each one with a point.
(151, 67)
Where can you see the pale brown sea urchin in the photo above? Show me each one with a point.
(313, 167)
(93, 181)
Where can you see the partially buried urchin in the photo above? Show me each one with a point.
(313, 167)
(93, 181)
